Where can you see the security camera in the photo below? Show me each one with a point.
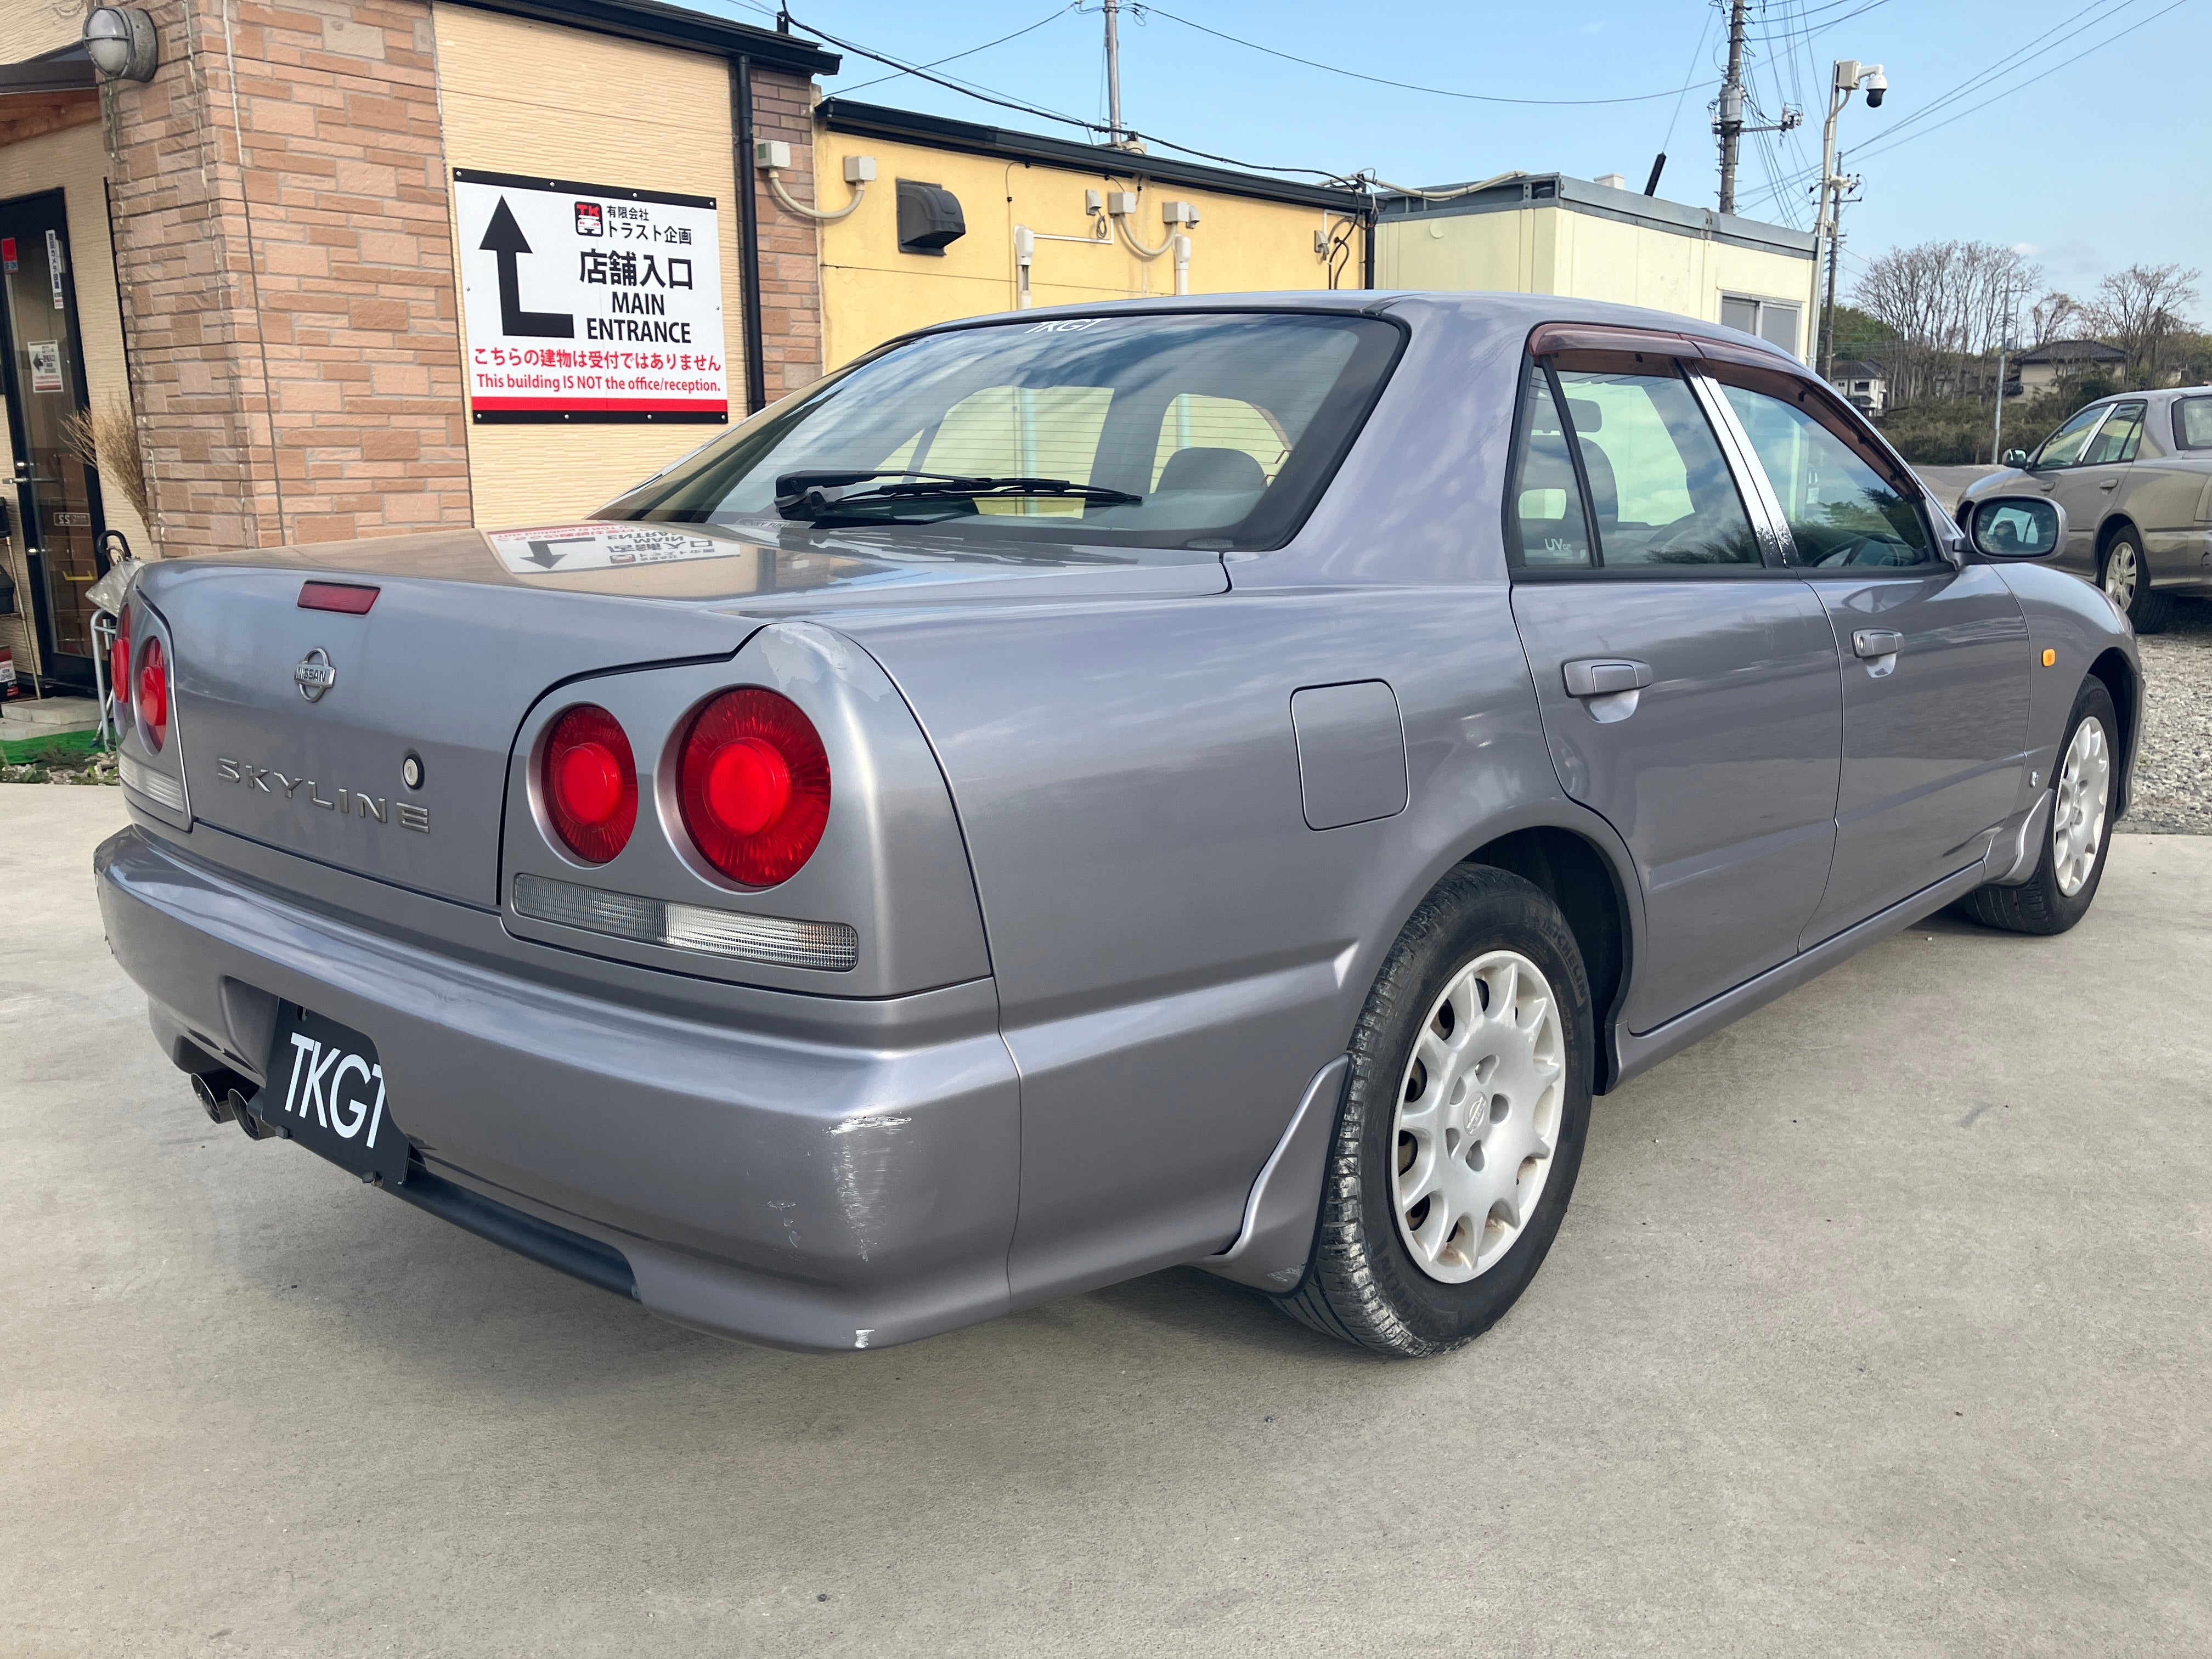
(1877, 86)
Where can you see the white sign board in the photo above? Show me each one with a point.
(585, 302)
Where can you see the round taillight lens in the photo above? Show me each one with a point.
(590, 783)
(119, 662)
(152, 695)
(754, 783)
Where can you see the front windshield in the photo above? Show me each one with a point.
(1207, 431)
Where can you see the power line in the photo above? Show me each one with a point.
(1408, 86)
(2019, 57)
(1050, 17)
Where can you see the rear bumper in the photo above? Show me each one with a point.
(805, 1193)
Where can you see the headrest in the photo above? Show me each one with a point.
(1212, 468)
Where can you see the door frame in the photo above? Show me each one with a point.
(49, 659)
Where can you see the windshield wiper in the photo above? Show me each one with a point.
(808, 496)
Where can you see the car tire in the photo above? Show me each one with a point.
(2078, 834)
(1427, 1279)
(2126, 577)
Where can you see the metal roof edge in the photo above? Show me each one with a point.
(1604, 201)
(654, 24)
(944, 132)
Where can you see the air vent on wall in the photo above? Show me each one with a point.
(929, 217)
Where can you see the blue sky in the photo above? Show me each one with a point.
(2096, 165)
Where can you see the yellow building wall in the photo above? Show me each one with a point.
(74, 160)
(559, 103)
(871, 292)
(1552, 250)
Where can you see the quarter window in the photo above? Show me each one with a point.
(1547, 516)
(1842, 513)
(1661, 491)
(2117, 439)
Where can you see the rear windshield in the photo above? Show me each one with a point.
(1216, 431)
(2193, 423)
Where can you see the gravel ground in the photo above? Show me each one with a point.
(2173, 772)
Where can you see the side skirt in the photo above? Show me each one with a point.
(1634, 1054)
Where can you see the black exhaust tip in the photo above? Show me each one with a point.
(224, 1095)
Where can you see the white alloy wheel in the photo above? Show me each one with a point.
(2077, 821)
(1479, 1112)
(2121, 573)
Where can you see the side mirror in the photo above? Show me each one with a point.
(2015, 457)
(2016, 526)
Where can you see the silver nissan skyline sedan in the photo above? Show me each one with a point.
(1216, 781)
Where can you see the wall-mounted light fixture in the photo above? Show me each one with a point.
(122, 43)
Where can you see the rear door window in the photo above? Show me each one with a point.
(1660, 489)
(2192, 424)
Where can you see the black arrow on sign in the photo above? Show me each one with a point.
(504, 238)
(542, 553)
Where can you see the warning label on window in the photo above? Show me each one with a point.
(589, 302)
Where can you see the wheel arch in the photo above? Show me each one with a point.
(1585, 881)
(2121, 680)
(2109, 531)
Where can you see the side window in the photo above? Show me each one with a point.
(2192, 424)
(1842, 513)
(2063, 447)
(1547, 499)
(1661, 491)
(2117, 439)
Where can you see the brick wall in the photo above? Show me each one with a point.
(790, 246)
(287, 271)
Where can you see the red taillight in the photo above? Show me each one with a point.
(754, 782)
(118, 664)
(590, 783)
(154, 694)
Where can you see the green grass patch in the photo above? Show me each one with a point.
(60, 748)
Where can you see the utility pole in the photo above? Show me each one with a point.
(1828, 321)
(2004, 341)
(1730, 125)
(1114, 72)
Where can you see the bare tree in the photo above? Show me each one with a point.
(1946, 303)
(2140, 309)
(2050, 317)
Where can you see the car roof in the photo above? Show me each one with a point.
(1503, 311)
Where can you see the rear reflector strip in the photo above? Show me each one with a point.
(136, 774)
(830, 945)
(346, 597)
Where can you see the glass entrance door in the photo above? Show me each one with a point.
(60, 521)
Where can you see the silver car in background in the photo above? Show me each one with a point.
(2134, 472)
(1219, 782)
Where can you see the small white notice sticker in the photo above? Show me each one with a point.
(605, 546)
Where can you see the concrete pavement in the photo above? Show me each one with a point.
(1881, 1322)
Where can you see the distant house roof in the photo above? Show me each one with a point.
(2075, 351)
(1858, 369)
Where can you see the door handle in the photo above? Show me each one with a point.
(1876, 642)
(2109, 483)
(1603, 676)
